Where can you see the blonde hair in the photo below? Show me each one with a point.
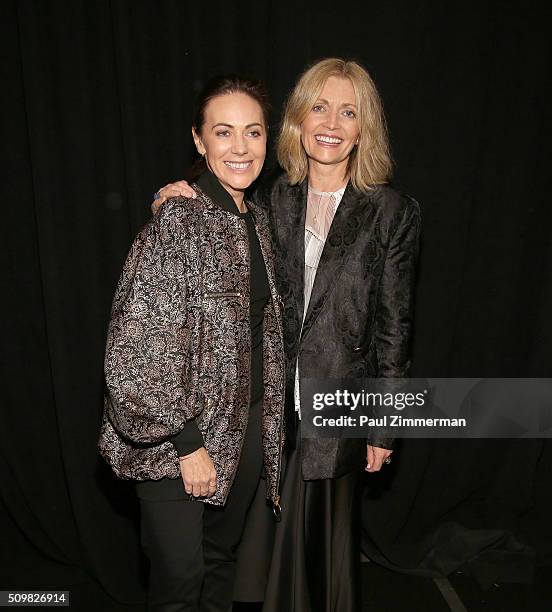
(370, 161)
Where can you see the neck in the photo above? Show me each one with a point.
(238, 199)
(328, 177)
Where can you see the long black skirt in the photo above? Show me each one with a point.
(316, 557)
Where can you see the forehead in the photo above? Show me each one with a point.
(338, 89)
(233, 108)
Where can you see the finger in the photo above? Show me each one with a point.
(378, 462)
(196, 491)
(185, 189)
(185, 192)
(369, 459)
(157, 204)
(188, 488)
(169, 192)
(379, 456)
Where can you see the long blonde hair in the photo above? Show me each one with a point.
(370, 161)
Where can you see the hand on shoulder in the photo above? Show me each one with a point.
(172, 190)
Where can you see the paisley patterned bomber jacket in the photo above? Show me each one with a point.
(178, 346)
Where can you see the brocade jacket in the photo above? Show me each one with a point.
(179, 346)
(359, 318)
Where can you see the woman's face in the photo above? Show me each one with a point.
(233, 140)
(331, 129)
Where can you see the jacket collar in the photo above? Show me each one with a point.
(292, 237)
(212, 188)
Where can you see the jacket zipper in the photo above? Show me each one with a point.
(277, 508)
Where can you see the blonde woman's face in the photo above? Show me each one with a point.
(233, 140)
(331, 129)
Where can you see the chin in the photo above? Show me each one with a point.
(241, 183)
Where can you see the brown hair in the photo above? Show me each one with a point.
(229, 84)
(221, 86)
(370, 162)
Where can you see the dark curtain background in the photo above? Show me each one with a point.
(96, 115)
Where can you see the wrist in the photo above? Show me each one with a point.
(189, 455)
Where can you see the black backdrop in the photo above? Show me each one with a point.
(96, 111)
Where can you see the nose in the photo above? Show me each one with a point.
(239, 145)
(332, 119)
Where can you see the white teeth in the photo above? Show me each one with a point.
(238, 165)
(328, 139)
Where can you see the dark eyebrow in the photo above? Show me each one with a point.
(326, 102)
(250, 125)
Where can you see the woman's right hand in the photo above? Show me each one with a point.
(198, 473)
(172, 190)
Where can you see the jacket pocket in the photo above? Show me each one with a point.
(221, 294)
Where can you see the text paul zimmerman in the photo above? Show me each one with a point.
(392, 420)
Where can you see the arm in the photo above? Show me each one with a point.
(395, 312)
(396, 296)
(146, 362)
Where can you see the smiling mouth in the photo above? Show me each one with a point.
(328, 140)
(238, 165)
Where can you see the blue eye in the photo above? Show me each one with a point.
(349, 113)
(318, 108)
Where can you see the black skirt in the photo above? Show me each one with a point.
(316, 557)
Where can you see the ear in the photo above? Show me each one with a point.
(198, 142)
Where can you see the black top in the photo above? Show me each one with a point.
(189, 438)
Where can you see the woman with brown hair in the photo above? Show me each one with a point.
(347, 246)
(194, 363)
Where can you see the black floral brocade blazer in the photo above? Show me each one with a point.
(359, 319)
(178, 346)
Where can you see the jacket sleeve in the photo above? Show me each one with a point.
(148, 344)
(395, 303)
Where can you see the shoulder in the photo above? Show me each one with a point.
(397, 213)
(395, 204)
(176, 219)
(272, 183)
(180, 210)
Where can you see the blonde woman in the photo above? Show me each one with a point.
(348, 246)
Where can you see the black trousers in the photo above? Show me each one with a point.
(192, 546)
